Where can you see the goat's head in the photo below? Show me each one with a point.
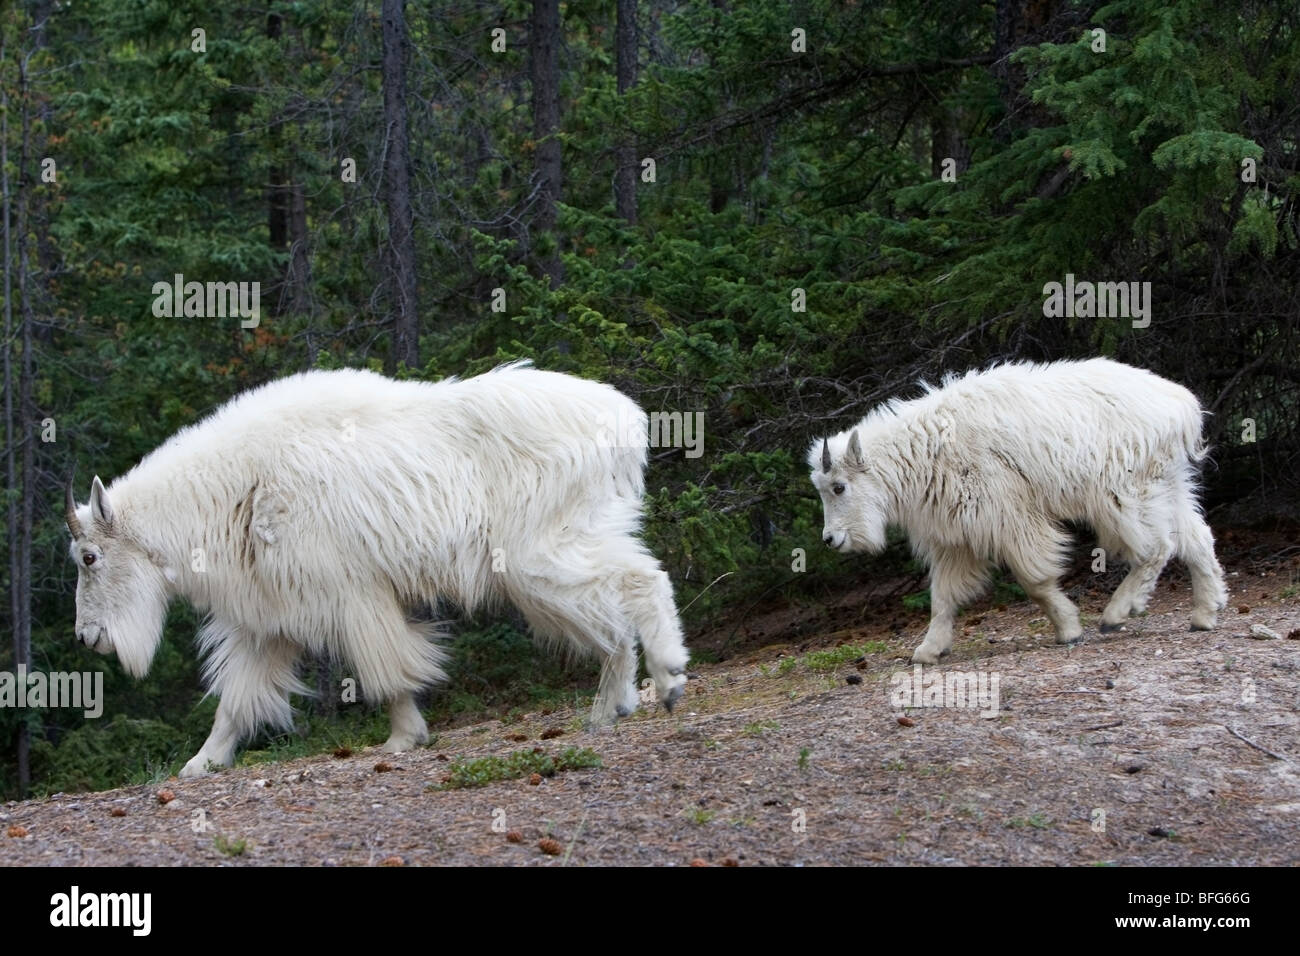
(121, 593)
(853, 499)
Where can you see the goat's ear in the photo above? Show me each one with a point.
(855, 450)
(100, 508)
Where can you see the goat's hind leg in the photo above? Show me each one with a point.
(610, 592)
(577, 603)
(1196, 548)
(1145, 531)
(1037, 563)
(1134, 592)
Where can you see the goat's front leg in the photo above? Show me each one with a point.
(956, 577)
(254, 680)
(219, 749)
(408, 729)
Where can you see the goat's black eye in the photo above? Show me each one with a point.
(88, 559)
(838, 487)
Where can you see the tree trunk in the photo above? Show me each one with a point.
(39, 215)
(1006, 25)
(23, 432)
(947, 141)
(277, 208)
(11, 438)
(544, 42)
(625, 44)
(397, 187)
(299, 258)
(286, 214)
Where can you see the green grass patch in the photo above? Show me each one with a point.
(699, 816)
(837, 657)
(354, 729)
(482, 771)
(829, 660)
(228, 846)
(1037, 821)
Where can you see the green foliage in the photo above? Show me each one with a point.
(1006, 592)
(100, 756)
(498, 665)
(920, 601)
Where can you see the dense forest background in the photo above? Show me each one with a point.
(777, 214)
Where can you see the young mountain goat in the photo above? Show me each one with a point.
(314, 513)
(982, 472)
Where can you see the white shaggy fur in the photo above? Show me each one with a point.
(317, 511)
(982, 472)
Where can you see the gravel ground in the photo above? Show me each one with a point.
(1148, 746)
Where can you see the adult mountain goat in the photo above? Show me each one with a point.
(984, 470)
(314, 513)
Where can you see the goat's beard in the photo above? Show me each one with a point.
(136, 631)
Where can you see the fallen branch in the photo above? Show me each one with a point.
(1275, 756)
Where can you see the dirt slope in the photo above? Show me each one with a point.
(1117, 750)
